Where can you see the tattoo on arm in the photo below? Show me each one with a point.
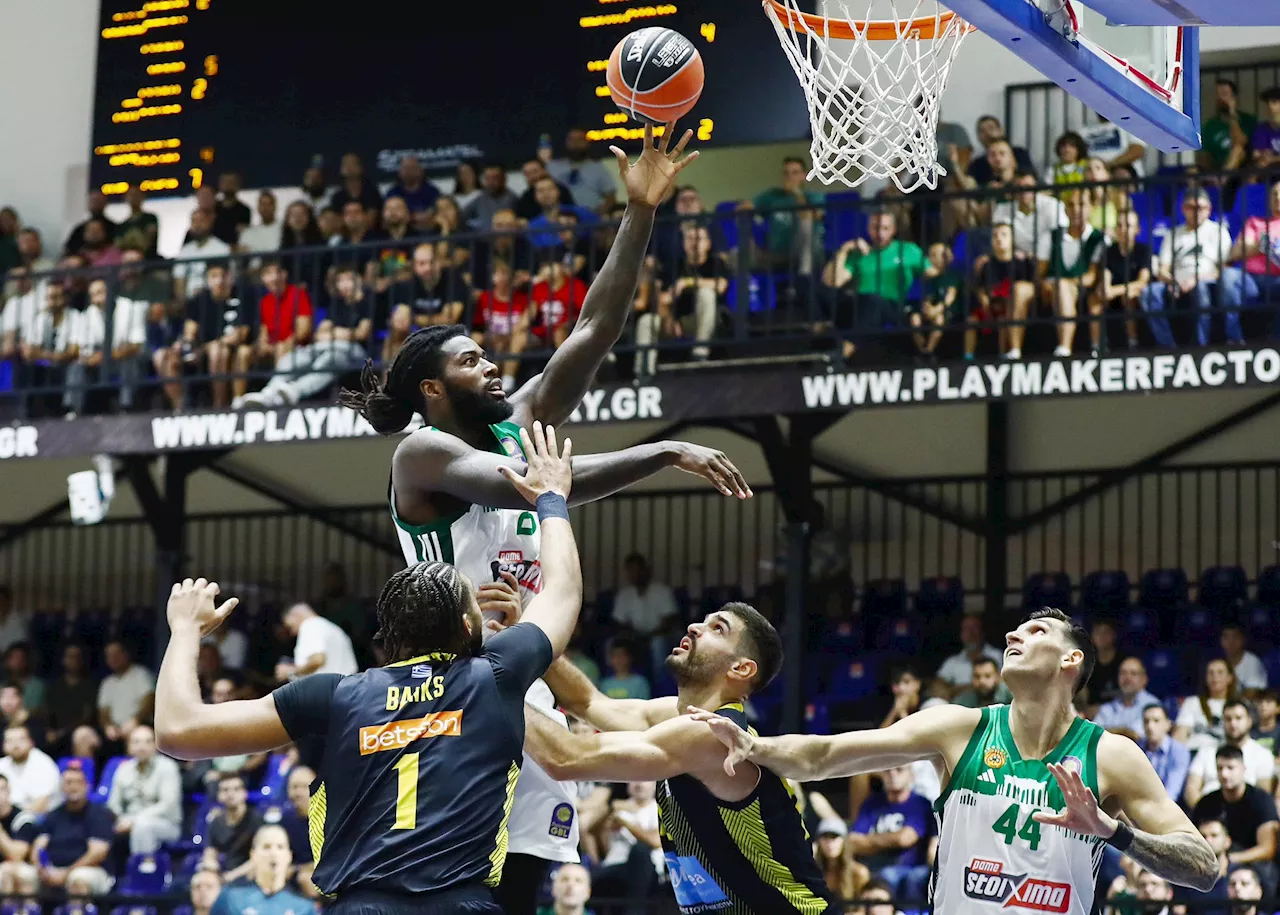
(1178, 857)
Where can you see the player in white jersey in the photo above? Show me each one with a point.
(451, 503)
(1020, 823)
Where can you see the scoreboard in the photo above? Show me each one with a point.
(189, 88)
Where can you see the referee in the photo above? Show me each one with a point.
(418, 760)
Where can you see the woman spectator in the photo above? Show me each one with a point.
(1108, 202)
(1199, 723)
(300, 235)
(447, 224)
(1072, 151)
(845, 876)
(466, 185)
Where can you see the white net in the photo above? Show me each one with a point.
(873, 88)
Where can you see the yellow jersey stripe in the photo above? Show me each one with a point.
(747, 828)
(499, 856)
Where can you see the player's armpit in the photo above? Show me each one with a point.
(434, 461)
(226, 729)
(668, 749)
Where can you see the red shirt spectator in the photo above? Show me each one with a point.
(282, 305)
(559, 300)
(497, 314)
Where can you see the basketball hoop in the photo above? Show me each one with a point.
(873, 88)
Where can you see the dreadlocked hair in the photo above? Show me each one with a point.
(420, 611)
(390, 406)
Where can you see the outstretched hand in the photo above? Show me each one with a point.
(1080, 812)
(192, 603)
(649, 180)
(739, 742)
(714, 467)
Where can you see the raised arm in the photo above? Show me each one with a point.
(556, 393)
(933, 734)
(579, 697)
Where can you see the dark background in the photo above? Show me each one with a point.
(297, 81)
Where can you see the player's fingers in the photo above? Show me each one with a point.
(515, 478)
(686, 160)
(526, 441)
(739, 481)
(684, 141)
(553, 448)
(648, 134)
(667, 130)
(566, 452)
(624, 164)
(187, 584)
(227, 606)
(717, 475)
(539, 439)
(1052, 819)
(212, 589)
(511, 580)
(177, 586)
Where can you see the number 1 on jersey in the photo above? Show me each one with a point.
(407, 792)
(1007, 826)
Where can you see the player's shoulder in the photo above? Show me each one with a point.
(1118, 753)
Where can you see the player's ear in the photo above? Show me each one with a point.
(744, 670)
(432, 389)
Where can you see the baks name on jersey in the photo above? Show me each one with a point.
(987, 881)
(526, 571)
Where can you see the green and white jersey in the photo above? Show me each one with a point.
(992, 856)
(482, 542)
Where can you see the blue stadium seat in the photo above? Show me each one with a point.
(884, 597)
(6, 376)
(817, 717)
(26, 907)
(604, 605)
(134, 910)
(1271, 661)
(846, 218)
(146, 875)
(716, 596)
(853, 679)
(841, 637)
(75, 908)
(960, 250)
(728, 223)
(940, 597)
(1269, 586)
(1163, 590)
(1262, 624)
(1105, 592)
(899, 634)
(1140, 629)
(762, 294)
(1047, 589)
(1196, 627)
(276, 779)
(87, 766)
(1252, 200)
(100, 793)
(1223, 589)
(200, 823)
(1165, 674)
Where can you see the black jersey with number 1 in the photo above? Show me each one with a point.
(418, 767)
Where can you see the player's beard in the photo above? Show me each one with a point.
(475, 408)
(691, 668)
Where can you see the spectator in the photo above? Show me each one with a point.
(1068, 267)
(331, 225)
(189, 273)
(139, 220)
(895, 835)
(695, 297)
(99, 244)
(1004, 289)
(551, 210)
(322, 647)
(985, 686)
(284, 320)
(1267, 729)
(502, 321)
(466, 184)
(1245, 885)
(122, 694)
(1215, 833)
(955, 149)
(390, 262)
(634, 858)
(15, 624)
(146, 795)
(50, 355)
(358, 232)
(267, 876)
(844, 875)
(97, 206)
(1072, 151)
(17, 323)
(17, 666)
(570, 891)
(72, 708)
(1106, 203)
(1199, 722)
(1153, 889)
(231, 828)
(446, 225)
(1248, 812)
(1259, 247)
(528, 207)
(878, 893)
(905, 686)
(72, 843)
(1259, 764)
(591, 182)
(1266, 136)
(31, 775)
(623, 682)
(339, 344)
(412, 187)
(294, 821)
(263, 238)
(793, 240)
(1226, 138)
(355, 187)
(17, 715)
(31, 250)
(990, 133)
(231, 216)
(576, 655)
(507, 244)
(1113, 145)
(128, 338)
(1250, 674)
(494, 196)
(875, 276)
(301, 233)
(647, 607)
(1189, 267)
(438, 295)
(956, 672)
(17, 830)
(1126, 273)
(206, 884)
(1124, 714)
(219, 323)
(1170, 758)
(941, 293)
(1000, 166)
(1104, 683)
(668, 234)
(557, 302)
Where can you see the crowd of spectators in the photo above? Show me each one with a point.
(273, 307)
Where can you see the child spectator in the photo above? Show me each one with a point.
(1072, 151)
(558, 301)
(1004, 290)
(623, 682)
(941, 293)
(502, 321)
(1126, 273)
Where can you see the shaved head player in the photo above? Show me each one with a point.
(1031, 791)
(450, 503)
(418, 760)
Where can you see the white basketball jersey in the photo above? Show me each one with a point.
(482, 542)
(992, 856)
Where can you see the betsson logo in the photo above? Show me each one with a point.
(396, 735)
(1130, 374)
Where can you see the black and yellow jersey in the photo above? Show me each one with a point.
(418, 765)
(740, 858)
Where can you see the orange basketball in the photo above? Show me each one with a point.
(655, 75)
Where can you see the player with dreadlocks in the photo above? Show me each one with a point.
(450, 503)
(418, 759)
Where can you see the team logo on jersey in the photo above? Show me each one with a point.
(421, 672)
(987, 881)
(511, 447)
(527, 572)
(396, 735)
(510, 557)
(995, 758)
(1073, 764)
(561, 821)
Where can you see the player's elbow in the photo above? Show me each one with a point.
(178, 738)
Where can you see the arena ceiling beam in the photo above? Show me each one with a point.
(15, 532)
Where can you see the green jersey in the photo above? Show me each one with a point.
(992, 855)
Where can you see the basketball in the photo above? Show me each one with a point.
(655, 74)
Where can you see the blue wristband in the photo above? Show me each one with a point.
(552, 505)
